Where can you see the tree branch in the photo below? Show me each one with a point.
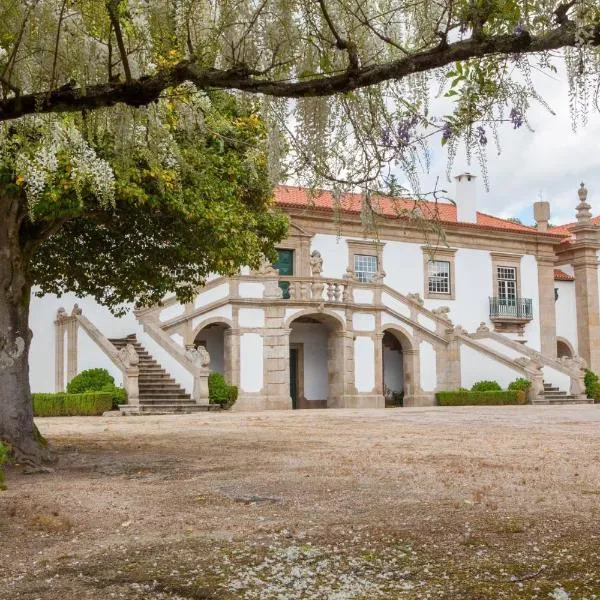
(340, 42)
(111, 6)
(144, 90)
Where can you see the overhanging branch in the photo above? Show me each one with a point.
(142, 91)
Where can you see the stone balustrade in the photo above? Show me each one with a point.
(317, 289)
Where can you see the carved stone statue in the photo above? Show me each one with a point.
(266, 268)
(76, 310)
(61, 313)
(443, 312)
(129, 356)
(198, 356)
(316, 263)
(483, 328)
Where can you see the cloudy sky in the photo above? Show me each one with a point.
(551, 162)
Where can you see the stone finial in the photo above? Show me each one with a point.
(76, 310)
(483, 328)
(583, 208)
(266, 268)
(61, 314)
(349, 274)
(316, 263)
(443, 312)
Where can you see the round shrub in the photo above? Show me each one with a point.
(90, 380)
(520, 384)
(486, 386)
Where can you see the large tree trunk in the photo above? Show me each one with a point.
(16, 408)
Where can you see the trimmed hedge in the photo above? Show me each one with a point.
(71, 405)
(520, 384)
(90, 380)
(464, 398)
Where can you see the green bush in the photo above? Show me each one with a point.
(90, 380)
(486, 386)
(68, 405)
(591, 380)
(4, 455)
(464, 398)
(119, 396)
(595, 391)
(520, 384)
(220, 392)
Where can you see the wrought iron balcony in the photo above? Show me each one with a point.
(511, 309)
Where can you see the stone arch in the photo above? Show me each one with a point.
(326, 316)
(214, 335)
(564, 348)
(316, 359)
(211, 321)
(399, 364)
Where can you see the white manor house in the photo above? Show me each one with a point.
(344, 320)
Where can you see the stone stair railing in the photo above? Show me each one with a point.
(318, 289)
(574, 368)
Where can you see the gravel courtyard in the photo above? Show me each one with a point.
(461, 503)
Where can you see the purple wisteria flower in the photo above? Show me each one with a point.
(516, 116)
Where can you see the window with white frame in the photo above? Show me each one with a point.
(507, 285)
(439, 277)
(365, 267)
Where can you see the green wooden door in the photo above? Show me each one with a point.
(285, 265)
(294, 376)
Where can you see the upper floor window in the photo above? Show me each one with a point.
(507, 284)
(365, 267)
(439, 277)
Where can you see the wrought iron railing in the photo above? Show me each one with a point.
(511, 308)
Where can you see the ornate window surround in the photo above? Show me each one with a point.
(298, 240)
(441, 253)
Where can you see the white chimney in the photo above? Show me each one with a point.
(466, 198)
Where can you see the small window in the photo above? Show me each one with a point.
(439, 277)
(365, 267)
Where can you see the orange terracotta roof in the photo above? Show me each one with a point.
(444, 212)
(562, 276)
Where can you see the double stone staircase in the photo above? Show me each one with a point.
(159, 392)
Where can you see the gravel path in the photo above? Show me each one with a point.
(465, 502)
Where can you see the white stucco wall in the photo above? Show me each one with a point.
(217, 293)
(363, 321)
(251, 317)
(566, 312)
(334, 252)
(427, 357)
(364, 363)
(314, 337)
(475, 366)
(251, 362)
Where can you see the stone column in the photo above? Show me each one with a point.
(412, 375)
(59, 351)
(547, 308)
(276, 358)
(232, 356)
(378, 340)
(448, 365)
(72, 327)
(585, 265)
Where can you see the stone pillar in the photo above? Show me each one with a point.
(72, 327)
(59, 351)
(585, 265)
(276, 359)
(547, 306)
(232, 356)
(448, 365)
(412, 375)
(378, 339)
